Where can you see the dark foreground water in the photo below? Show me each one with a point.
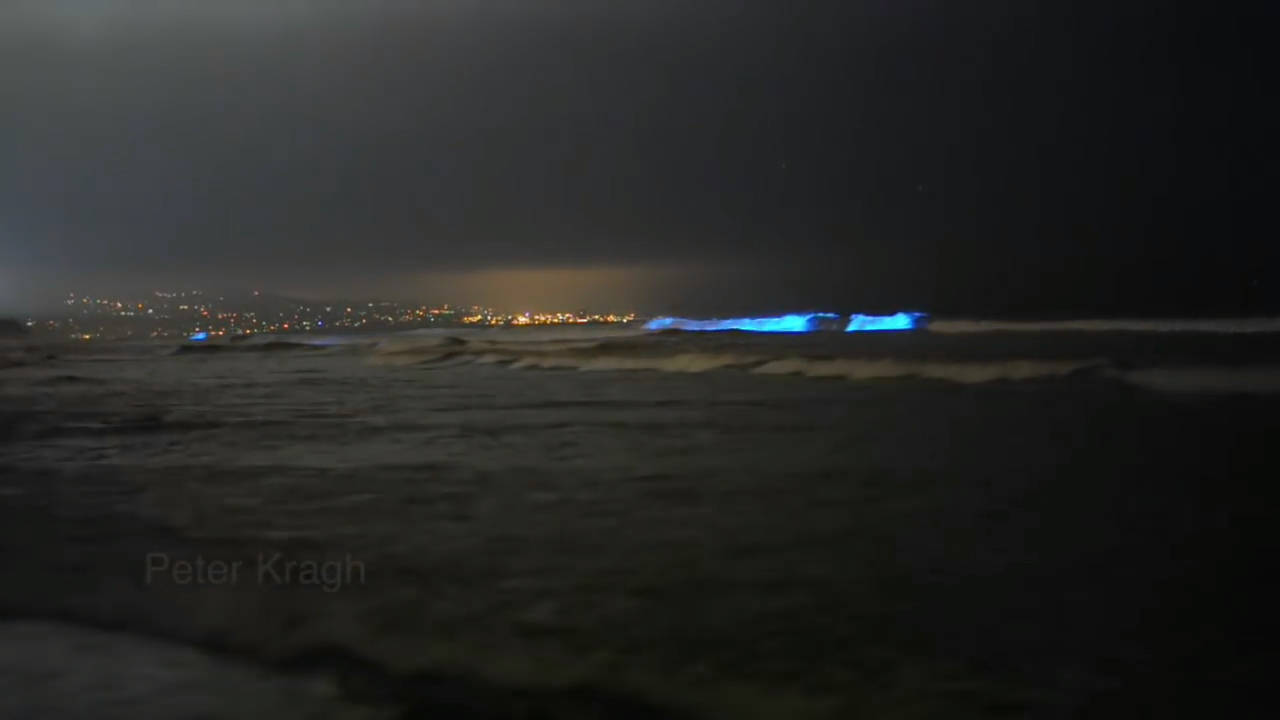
(967, 524)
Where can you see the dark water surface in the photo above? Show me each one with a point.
(969, 525)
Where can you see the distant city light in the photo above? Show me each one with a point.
(200, 337)
(173, 315)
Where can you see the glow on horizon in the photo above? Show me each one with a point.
(200, 336)
(780, 324)
(879, 323)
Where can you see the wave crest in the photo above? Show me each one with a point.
(961, 372)
(606, 358)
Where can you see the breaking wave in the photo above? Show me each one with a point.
(677, 357)
(794, 323)
(881, 323)
(1178, 362)
(779, 324)
(961, 372)
(602, 357)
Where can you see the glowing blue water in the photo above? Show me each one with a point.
(876, 323)
(781, 324)
(792, 323)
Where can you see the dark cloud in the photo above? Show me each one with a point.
(861, 151)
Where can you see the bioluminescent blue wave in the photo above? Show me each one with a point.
(793, 323)
(200, 337)
(875, 323)
(780, 324)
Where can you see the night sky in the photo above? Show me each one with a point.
(954, 156)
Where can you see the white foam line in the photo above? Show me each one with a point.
(1219, 325)
(955, 372)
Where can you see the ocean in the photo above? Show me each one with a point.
(980, 519)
